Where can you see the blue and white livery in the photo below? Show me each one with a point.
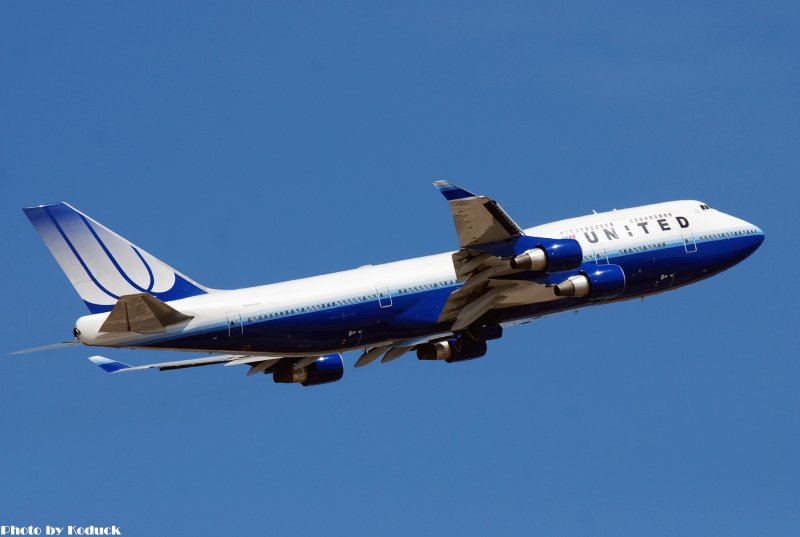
(442, 307)
(101, 265)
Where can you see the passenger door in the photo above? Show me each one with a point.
(235, 327)
(688, 242)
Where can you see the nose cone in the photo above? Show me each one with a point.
(747, 241)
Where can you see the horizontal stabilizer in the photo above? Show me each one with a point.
(142, 313)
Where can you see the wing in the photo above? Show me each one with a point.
(493, 265)
(113, 366)
(258, 364)
(492, 262)
(308, 371)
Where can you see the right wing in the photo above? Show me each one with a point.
(308, 371)
(258, 364)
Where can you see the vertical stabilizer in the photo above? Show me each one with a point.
(101, 265)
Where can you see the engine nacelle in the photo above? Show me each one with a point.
(554, 255)
(602, 281)
(455, 349)
(328, 368)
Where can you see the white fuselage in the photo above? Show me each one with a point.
(604, 238)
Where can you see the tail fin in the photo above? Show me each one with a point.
(101, 265)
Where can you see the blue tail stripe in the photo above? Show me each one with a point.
(149, 270)
(114, 261)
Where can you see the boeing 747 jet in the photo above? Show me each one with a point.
(441, 307)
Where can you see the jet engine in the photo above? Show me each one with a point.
(328, 368)
(602, 281)
(454, 349)
(555, 255)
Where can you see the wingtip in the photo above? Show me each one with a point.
(108, 365)
(452, 192)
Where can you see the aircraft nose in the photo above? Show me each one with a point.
(747, 241)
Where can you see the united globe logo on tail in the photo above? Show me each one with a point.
(102, 265)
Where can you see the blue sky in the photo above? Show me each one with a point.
(248, 142)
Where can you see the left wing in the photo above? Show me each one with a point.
(493, 251)
(484, 231)
(492, 246)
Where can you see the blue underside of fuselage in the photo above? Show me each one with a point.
(415, 315)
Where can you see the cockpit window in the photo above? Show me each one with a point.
(704, 207)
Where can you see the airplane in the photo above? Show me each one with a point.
(442, 307)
